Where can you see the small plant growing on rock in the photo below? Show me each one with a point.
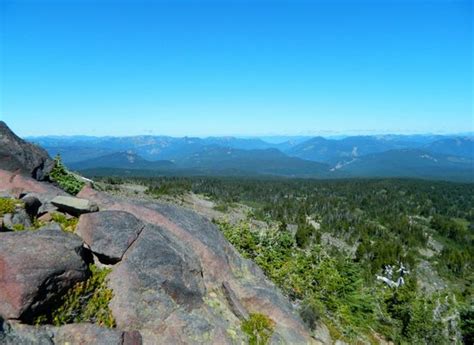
(87, 301)
(7, 206)
(68, 225)
(66, 181)
(18, 227)
(259, 329)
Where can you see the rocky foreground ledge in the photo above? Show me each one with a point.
(174, 278)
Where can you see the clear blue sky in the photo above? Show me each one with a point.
(236, 67)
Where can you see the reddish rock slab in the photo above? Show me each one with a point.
(17, 184)
(36, 267)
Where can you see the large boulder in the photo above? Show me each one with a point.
(19, 155)
(181, 282)
(74, 206)
(35, 268)
(156, 277)
(32, 204)
(109, 233)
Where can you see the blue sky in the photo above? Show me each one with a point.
(236, 67)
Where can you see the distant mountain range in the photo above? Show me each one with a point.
(424, 156)
(121, 160)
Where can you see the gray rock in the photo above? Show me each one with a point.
(7, 221)
(74, 206)
(32, 204)
(321, 333)
(164, 265)
(44, 199)
(74, 334)
(36, 267)
(47, 207)
(156, 278)
(237, 308)
(6, 195)
(24, 335)
(19, 155)
(51, 226)
(132, 338)
(87, 334)
(109, 233)
(20, 217)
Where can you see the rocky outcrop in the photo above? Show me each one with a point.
(237, 308)
(23, 157)
(36, 267)
(175, 279)
(81, 334)
(109, 233)
(169, 283)
(74, 206)
(17, 185)
(157, 279)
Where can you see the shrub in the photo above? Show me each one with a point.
(311, 312)
(259, 329)
(467, 325)
(87, 301)
(66, 181)
(7, 205)
(18, 227)
(303, 235)
(224, 207)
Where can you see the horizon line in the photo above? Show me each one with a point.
(324, 134)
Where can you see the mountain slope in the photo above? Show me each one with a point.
(410, 163)
(458, 146)
(330, 150)
(121, 160)
(269, 161)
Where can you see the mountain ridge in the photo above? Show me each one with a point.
(317, 157)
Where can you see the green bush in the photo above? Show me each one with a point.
(7, 205)
(333, 288)
(87, 301)
(259, 329)
(18, 227)
(66, 181)
(303, 234)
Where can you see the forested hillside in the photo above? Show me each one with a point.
(325, 242)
